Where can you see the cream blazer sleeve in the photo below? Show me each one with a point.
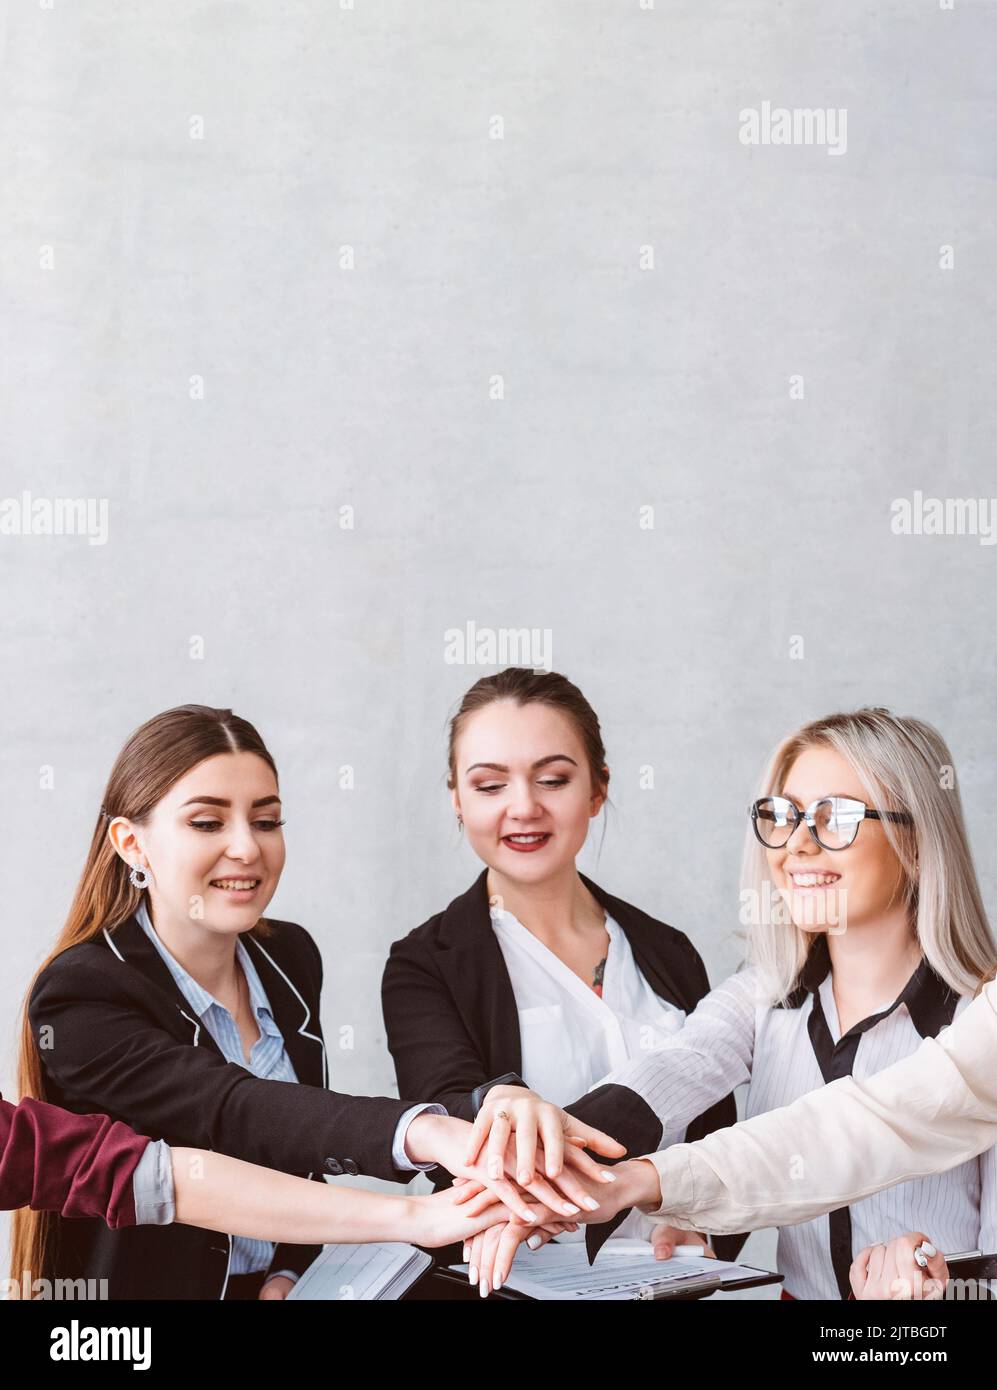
(933, 1110)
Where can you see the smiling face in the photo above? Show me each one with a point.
(860, 884)
(213, 844)
(524, 789)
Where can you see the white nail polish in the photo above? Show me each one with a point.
(484, 1288)
(928, 1248)
(534, 1242)
(592, 1204)
(472, 1274)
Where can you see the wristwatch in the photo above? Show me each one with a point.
(478, 1094)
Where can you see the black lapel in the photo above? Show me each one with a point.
(129, 942)
(471, 960)
(645, 936)
(296, 1017)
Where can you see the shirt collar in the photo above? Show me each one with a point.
(200, 998)
(930, 1001)
(504, 917)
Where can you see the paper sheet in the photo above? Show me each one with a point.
(357, 1272)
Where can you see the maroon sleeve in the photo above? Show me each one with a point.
(77, 1165)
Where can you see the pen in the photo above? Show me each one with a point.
(924, 1248)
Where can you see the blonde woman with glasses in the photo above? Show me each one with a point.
(866, 937)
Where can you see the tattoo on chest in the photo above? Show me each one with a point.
(597, 975)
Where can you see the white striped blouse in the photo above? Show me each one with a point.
(782, 1053)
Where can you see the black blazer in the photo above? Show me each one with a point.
(117, 1036)
(452, 1023)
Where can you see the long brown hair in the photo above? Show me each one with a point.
(155, 757)
(526, 687)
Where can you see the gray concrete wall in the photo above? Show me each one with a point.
(261, 264)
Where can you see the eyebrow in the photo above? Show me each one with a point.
(541, 762)
(825, 796)
(220, 801)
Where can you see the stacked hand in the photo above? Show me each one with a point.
(564, 1184)
(522, 1174)
(490, 1251)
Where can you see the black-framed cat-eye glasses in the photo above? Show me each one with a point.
(833, 821)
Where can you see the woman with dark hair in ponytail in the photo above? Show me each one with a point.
(170, 1003)
(536, 982)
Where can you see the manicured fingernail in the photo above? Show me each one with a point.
(467, 1254)
(608, 1177)
(524, 1176)
(530, 1216)
(921, 1258)
(484, 1288)
(472, 1274)
(592, 1204)
(928, 1248)
(569, 1207)
(498, 1282)
(534, 1242)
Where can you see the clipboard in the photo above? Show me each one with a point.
(974, 1265)
(632, 1289)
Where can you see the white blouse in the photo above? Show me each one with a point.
(734, 1037)
(570, 1037)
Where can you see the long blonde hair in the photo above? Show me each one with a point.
(155, 757)
(904, 764)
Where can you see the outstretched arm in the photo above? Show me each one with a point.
(933, 1110)
(221, 1193)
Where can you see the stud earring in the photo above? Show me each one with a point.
(460, 820)
(140, 877)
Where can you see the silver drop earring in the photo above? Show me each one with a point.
(140, 877)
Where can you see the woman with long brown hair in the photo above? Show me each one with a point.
(90, 1166)
(171, 1003)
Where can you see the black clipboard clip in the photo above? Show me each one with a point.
(975, 1265)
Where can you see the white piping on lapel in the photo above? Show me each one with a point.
(228, 1263)
(197, 1035)
(308, 1013)
(112, 945)
(197, 1026)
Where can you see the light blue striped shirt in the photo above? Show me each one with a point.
(268, 1058)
